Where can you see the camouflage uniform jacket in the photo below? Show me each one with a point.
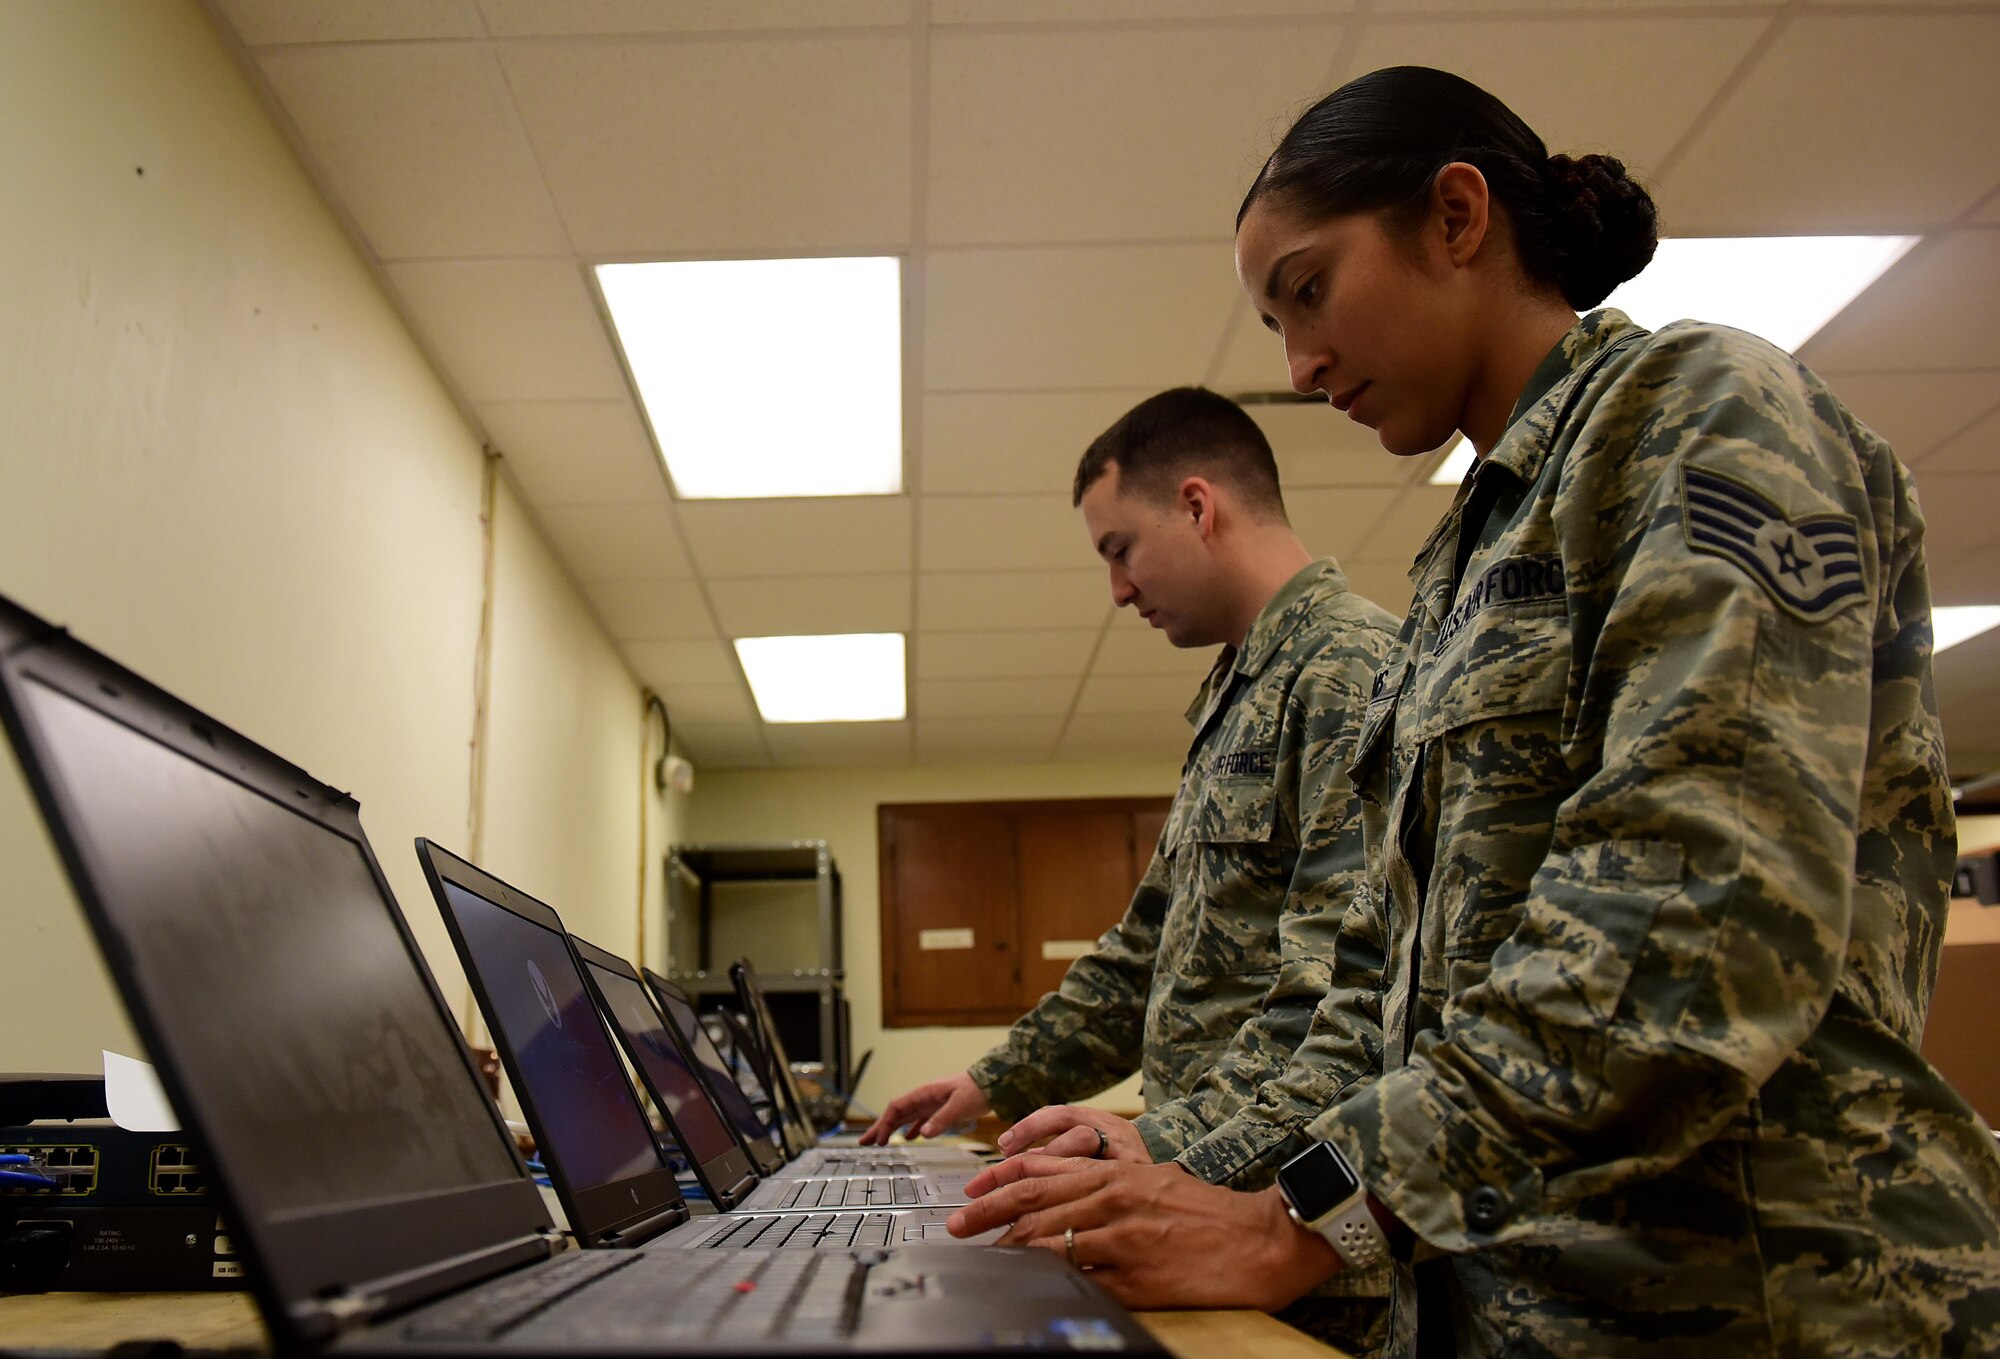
(1208, 982)
(1655, 793)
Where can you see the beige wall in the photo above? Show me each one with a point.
(838, 806)
(223, 461)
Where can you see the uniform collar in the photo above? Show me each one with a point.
(1524, 444)
(1278, 619)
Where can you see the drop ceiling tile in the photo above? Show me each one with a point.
(1403, 529)
(791, 606)
(645, 609)
(1917, 412)
(668, 666)
(263, 22)
(995, 740)
(849, 535)
(1000, 533)
(1135, 694)
(1025, 442)
(823, 744)
(994, 698)
(420, 146)
(1989, 215)
(542, 18)
(1849, 123)
(1958, 511)
(979, 601)
(1385, 583)
(1252, 356)
(1125, 736)
(1316, 445)
(1965, 577)
(711, 707)
(575, 452)
(770, 144)
(617, 542)
(1004, 655)
(1161, 151)
(510, 330)
(1938, 308)
(1135, 647)
(945, 12)
(1976, 449)
(1335, 523)
(1664, 71)
(1142, 316)
(725, 746)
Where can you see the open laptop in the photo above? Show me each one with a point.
(823, 1159)
(704, 1136)
(373, 1190)
(587, 1120)
(762, 1137)
(758, 1134)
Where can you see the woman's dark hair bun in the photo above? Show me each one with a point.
(1602, 227)
(1581, 226)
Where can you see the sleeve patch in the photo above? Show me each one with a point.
(1811, 566)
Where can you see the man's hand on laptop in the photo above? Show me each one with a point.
(929, 1110)
(1072, 1131)
(1153, 1236)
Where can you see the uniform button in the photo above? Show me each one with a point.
(1488, 1208)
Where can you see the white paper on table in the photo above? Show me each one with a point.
(133, 1095)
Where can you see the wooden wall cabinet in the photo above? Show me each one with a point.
(985, 904)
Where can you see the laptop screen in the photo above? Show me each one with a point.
(702, 1133)
(593, 1129)
(316, 1053)
(721, 1080)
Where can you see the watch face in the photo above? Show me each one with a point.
(1317, 1181)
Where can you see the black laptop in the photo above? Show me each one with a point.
(374, 1190)
(603, 1159)
(760, 1136)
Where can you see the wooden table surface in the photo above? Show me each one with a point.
(96, 1321)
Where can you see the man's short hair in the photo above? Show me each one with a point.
(1186, 432)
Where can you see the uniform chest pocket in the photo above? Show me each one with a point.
(1508, 662)
(1233, 864)
(1234, 811)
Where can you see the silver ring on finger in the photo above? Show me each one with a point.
(1103, 1143)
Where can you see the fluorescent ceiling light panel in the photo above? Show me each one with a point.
(767, 377)
(1784, 288)
(847, 677)
(1950, 626)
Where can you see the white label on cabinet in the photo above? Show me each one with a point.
(931, 939)
(1061, 950)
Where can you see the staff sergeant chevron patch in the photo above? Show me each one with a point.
(1811, 566)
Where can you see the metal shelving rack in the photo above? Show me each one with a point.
(695, 871)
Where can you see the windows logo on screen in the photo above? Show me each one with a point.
(544, 994)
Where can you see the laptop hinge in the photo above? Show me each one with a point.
(647, 1228)
(323, 1318)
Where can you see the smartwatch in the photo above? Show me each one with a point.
(1324, 1195)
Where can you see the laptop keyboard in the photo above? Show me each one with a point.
(506, 1303)
(780, 1296)
(872, 1192)
(815, 1231)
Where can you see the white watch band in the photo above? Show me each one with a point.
(1351, 1230)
